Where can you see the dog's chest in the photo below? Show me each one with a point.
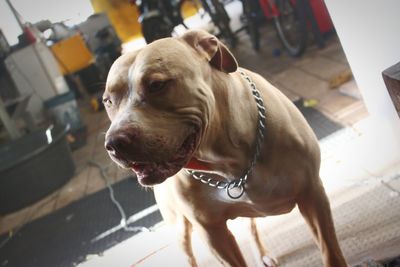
(270, 198)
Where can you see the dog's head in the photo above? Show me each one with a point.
(160, 101)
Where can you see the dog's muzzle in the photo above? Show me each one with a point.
(124, 147)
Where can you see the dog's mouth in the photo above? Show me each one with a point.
(151, 173)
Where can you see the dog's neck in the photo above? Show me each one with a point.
(228, 144)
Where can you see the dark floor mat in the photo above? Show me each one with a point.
(63, 238)
(394, 262)
(322, 125)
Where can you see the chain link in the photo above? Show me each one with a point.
(240, 182)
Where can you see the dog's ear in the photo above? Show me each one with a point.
(212, 49)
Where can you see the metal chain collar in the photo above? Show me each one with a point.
(240, 182)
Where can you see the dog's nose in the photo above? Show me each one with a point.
(117, 143)
(126, 144)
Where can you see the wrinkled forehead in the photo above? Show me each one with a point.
(170, 56)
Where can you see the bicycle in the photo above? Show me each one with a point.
(220, 19)
(289, 19)
(159, 18)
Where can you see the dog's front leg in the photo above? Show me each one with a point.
(221, 243)
(185, 240)
(267, 260)
(315, 208)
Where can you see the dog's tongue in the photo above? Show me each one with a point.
(196, 165)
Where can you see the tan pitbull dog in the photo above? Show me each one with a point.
(181, 103)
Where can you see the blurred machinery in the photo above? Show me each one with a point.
(102, 40)
(35, 74)
(52, 59)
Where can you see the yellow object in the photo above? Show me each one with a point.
(124, 16)
(72, 54)
(190, 8)
(310, 103)
(340, 79)
(94, 103)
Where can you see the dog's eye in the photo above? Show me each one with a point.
(156, 86)
(107, 101)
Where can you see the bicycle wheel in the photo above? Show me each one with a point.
(291, 26)
(221, 20)
(250, 13)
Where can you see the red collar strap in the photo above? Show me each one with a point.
(194, 164)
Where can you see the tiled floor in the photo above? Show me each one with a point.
(308, 77)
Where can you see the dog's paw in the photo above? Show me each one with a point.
(269, 261)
